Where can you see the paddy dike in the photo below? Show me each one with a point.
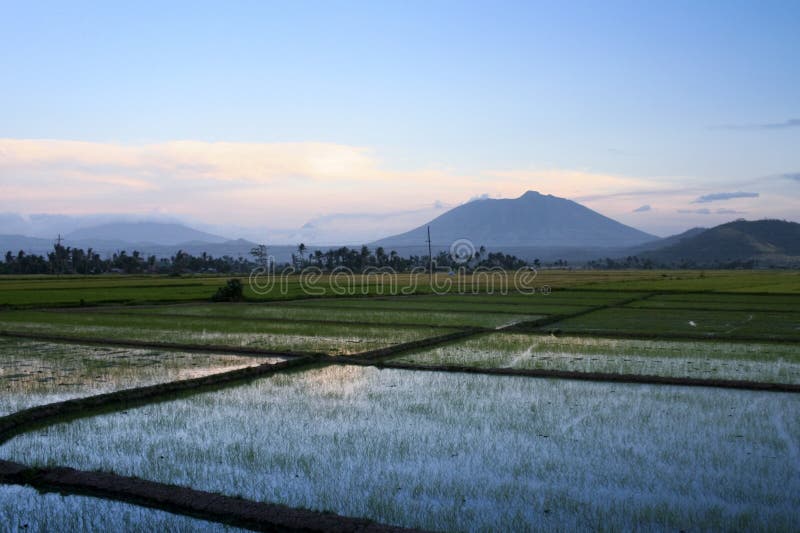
(237, 512)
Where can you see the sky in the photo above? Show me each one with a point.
(341, 121)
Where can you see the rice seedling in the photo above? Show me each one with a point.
(722, 302)
(777, 363)
(444, 305)
(25, 509)
(310, 313)
(711, 324)
(461, 452)
(35, 373)
(278, 336)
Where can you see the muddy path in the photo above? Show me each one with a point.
(257, 516)
(644, 379)
(175, 346)
(49, 414)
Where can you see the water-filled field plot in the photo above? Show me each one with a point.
(712, 324)
(451, 451)
(25, 509)
(456, 450)
(722, 302)
(276, 336)
(766, 362)
(36, 373)
(365, 314)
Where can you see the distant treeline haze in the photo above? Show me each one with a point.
(68, 260)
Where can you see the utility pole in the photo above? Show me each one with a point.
(430, 255)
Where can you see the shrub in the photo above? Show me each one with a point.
(232, 291)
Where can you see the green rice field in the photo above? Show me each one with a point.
(773, 363)
(374, 435)
(279, 336)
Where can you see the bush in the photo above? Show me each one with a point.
(232, 291)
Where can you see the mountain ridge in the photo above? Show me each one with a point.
(145, 232)
(768, 242)
(532, 220)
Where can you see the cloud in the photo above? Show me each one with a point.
(706, 211)
(790, 123)
(795, 176)
(695, 211)
(720, 196)
(484, 196)
(277, 187)
(643, 209)
(786, 124)
(573, 184)
(132, 165)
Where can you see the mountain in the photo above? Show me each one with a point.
(532, 220)
(159, 233)
(34, 245)
(47, 226)
(663, 243)
(767, 242)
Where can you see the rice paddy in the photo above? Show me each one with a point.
(36, 373)
(691, 323)
(277, 336)
(461, 452)
(773, 363)
(358, 315)
(447, 451)
(25, 509)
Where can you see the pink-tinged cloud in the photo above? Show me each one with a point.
(284, 185)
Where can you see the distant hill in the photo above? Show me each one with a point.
(666, 241)
(159, 233)
(16, 243)
(768, 242)
(532, 220)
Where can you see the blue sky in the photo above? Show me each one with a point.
(375, 107)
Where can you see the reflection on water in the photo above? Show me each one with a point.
(34, 373)
(460, 452)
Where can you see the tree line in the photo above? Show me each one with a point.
(69, 260)
(358, 259)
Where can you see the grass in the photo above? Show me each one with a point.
(711, 324)
(322, 313)
(741, 281)
(461, 452)
(729, 302)
(436, 305)
(277, 336)
(25, 509)
(38, 291)
(36, 373)
(776, 363)
(558, 297)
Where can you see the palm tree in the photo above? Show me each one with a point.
(380, 255)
